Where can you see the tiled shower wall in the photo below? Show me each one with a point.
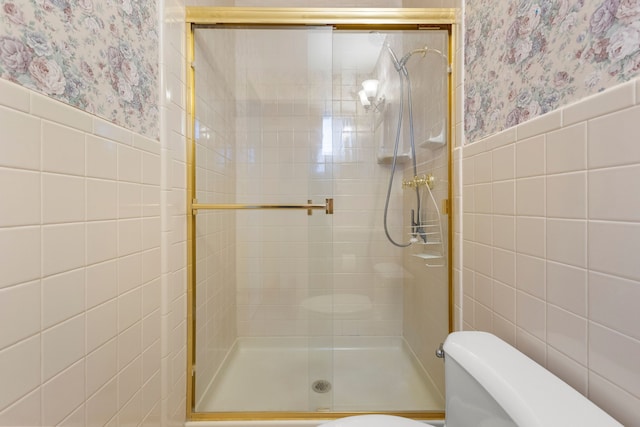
(215, 183)
(365, 263)
(551, 236)
(426, 282)
(281, 159)
(294, 269)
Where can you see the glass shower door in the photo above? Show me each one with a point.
(297, 311)
(263, 260)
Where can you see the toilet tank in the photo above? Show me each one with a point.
(490, 383)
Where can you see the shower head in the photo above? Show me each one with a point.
(381, 40)
(394, 58)
(377, 38)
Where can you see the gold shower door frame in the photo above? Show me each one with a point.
(339, 18)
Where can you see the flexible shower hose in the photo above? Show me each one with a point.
(402, 71)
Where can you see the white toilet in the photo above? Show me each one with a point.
(491, 384)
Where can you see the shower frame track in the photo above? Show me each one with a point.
(340, 18)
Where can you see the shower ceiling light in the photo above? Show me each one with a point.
(368, 95)
(370, 88)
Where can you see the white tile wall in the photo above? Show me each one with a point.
(567, 287)
(20, 307)
(572, 240)
(63, 394)
(567, 149)
(280, 159)
(162, 396)
(82, 269)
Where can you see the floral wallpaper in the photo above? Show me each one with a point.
(98, 55)
(524, 58)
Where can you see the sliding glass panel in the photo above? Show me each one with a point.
(390, 307)
(216, 230)
(264, 337)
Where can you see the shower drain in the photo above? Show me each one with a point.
(321, 386)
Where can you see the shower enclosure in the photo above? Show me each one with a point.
(300, 307)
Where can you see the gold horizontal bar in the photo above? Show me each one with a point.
(327, 206)
(239, 206)
(318, 16)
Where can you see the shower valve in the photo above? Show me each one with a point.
(419, 181)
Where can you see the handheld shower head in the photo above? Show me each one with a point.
(380, 40)
(394, 58)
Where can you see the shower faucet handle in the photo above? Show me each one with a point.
(406, 183)
(419, 181)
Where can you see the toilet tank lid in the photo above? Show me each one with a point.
(529, 394)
